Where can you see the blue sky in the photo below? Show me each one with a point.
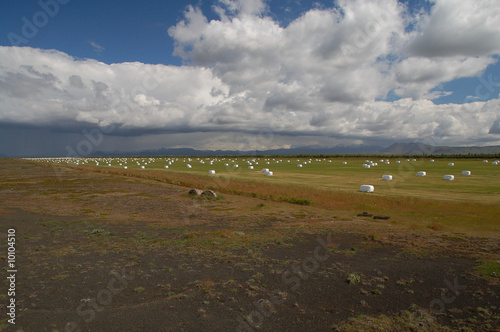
(127, 30)
(310, 73)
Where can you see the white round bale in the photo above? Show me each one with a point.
(211, 171)
(451, 164)
(269, 173)
(449, 177)
(422, 173)
(366, 188)
(466, 173)
(250, 167)
(387, 177)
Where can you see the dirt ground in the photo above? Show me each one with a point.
(97, 252)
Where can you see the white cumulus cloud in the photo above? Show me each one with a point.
(324, 74)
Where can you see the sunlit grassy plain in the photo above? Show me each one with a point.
(469, 203)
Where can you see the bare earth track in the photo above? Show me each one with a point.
(98, 252)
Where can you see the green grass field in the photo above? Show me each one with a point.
(469, 203)
(331, 174)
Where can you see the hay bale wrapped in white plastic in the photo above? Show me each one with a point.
(142, 167)
(166, 166)
(299, 165)
(485, 161)
(344, 163)
(211, 171)
(366, 188)
(269, 173)
(422, 173)
(451, 164)
(125, 167)
(398, 161)
(495, 163)
(449, 177)
(387, 177)
(366, 166)
(432, 160)
(265, 170)
(466, 173)
(250, 167)
(236, 166)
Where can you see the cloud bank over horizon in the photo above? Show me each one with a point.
(361, 71)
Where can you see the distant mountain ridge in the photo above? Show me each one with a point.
(364, 149)
(426, 149)
(394, 149)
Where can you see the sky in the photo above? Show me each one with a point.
(78, 77)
